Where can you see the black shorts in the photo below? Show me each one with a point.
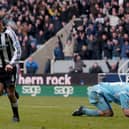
(8, 78)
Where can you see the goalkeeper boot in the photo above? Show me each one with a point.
(78, 112)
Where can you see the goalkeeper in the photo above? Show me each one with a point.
(101, 95)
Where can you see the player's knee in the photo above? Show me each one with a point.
(108, 113)
(1, 93)
(126, 112)
(11, 94)
(1, 89)
(127, 115)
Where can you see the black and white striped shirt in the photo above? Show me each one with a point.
(10, 50)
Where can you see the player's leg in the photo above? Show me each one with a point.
(14, 102)
(2, 78)
(103, 107)
(99, 101)
(1, 88)
(16, 94)
(124, 99)
(11, 91)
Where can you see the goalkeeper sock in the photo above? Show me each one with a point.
(90, 112)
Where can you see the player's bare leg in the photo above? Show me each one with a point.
(14, 103)
(1, 89)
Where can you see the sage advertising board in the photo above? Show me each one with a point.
(41, 90)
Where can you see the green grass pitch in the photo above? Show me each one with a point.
(55, 113)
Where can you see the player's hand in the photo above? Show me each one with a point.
(8, 67)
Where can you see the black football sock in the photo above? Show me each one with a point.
(14, 106)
